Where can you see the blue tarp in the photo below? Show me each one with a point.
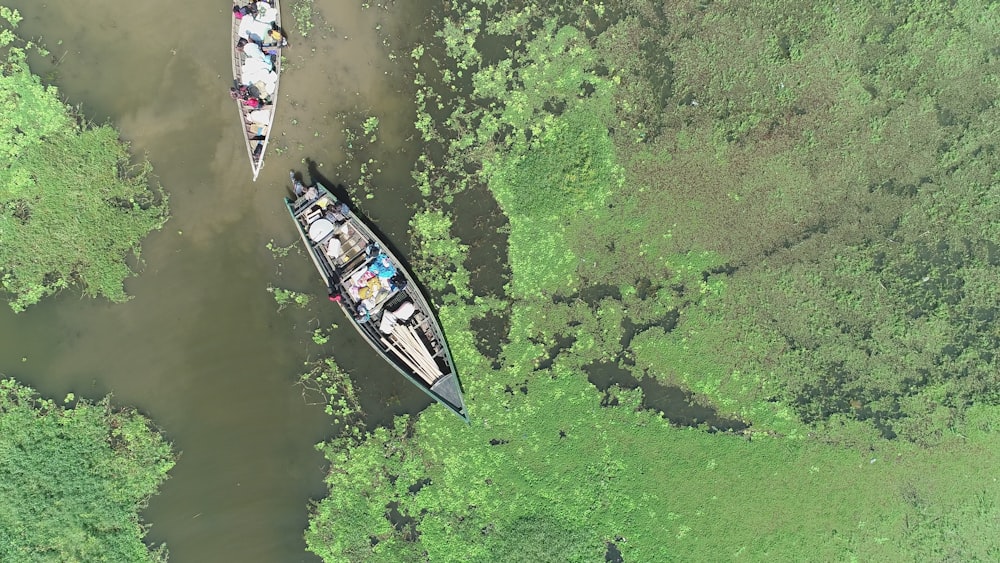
(382, 267)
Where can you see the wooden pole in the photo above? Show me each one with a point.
(415, 348)
(426, 376)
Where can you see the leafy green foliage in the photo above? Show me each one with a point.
(73, 480)
(786, 209)
(326, 383)
(71, 207)
(441, 254)
(302, 13)
(286, 297)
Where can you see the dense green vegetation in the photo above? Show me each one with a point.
(786, 209)
(73, 479)
(72, 207)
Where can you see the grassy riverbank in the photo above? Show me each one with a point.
(73, 207)
(784, 210)
(74, 478)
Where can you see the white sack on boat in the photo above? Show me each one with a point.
(388, 322)
(334, 249)
(260, 116)
(256, 71)
(266, 13)
(405, 311)
(252, 51)
(254, 29)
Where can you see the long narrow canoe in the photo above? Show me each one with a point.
(255, 73)
(376, 293)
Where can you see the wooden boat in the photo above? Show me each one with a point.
(376, 293)
(255, 73)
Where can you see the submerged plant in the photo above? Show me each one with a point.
(320, 336)
(302, 13)
(286, 297)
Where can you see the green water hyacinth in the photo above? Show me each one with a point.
(72, 208)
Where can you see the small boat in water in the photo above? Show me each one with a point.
(376, 293)
(257, 39)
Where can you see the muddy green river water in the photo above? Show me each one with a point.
(201, 348)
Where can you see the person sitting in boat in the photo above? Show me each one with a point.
(363, 315)
(277, 37)
(239, 12)
(300, 190)
(252, 50)
(297, 188)
(337, 213)
(334, 248)
(397, 282)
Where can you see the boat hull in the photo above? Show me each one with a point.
(393, 316)
(252, 81)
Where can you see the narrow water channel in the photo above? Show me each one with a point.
(201, 348)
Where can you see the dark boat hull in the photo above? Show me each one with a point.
(415, 346)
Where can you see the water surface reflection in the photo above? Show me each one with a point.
(201, 348)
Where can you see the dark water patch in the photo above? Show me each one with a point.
(613, 554)
(885, 428)
(894, 187)
(674, 403)
(667, 322)
(659, 72)
(837, 393)
(555, 107)
(481, 225)
(992, 253)
(498, 442)
(725, 270)
(407, 525)
(490, 333)
(523, 388)
(591, 294)
(644, 288)
(594, 294)
(562, 343)
(496, 48)
(946, 117)
(420, 484)
(821, 226)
